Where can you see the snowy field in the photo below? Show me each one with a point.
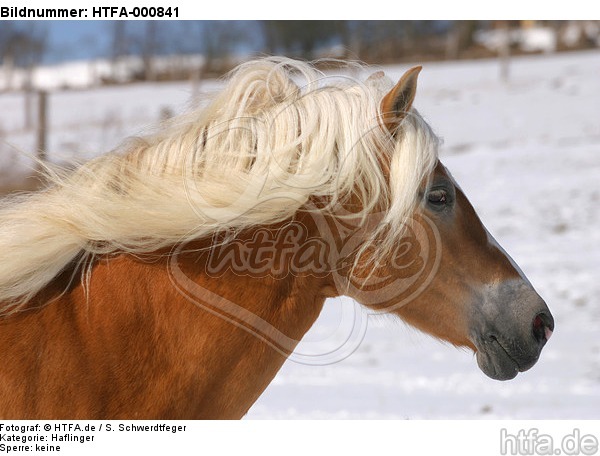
(526, 152)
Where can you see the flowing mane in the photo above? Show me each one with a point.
(279, 134)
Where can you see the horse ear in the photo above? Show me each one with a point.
(396, 104)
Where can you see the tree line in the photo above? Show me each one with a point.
(223, 43)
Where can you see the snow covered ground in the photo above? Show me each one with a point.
(526, 152)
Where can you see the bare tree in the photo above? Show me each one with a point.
(302, 38)
(220, 40)
(7, 57)
(150, 49)
(23, 46)
(118, 47)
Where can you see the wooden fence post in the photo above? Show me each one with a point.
(42, 125)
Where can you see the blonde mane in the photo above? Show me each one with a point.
(280, 133)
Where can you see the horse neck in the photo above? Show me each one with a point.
(253, 299)
(168, 338)
(250, 323)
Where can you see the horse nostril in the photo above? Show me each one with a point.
(543, 325)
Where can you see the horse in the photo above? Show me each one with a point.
(172, 277)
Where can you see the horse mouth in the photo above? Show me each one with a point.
(497, 362)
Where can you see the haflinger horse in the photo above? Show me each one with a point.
(122, 297)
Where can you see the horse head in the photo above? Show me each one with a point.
(448, 276)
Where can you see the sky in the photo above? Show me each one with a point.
(68, 40)
(85, 39)
(75, 40)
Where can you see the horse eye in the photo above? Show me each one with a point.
(437, 197)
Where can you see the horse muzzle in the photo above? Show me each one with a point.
(510, 326)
